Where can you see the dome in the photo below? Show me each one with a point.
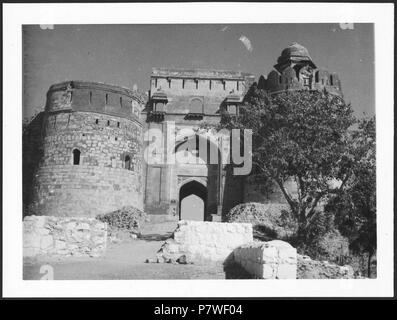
(294, 53)
(295, 50)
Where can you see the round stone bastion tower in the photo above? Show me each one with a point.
(91, 151)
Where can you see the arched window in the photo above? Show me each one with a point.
(127, 162)
(196, 106)
(317, 79)
(76, 156)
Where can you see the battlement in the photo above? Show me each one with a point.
(201, 90)
(95, 97)
(200, 74)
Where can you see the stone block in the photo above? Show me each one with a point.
(267, 260)
(213, 241)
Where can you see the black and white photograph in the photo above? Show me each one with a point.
(253, 154)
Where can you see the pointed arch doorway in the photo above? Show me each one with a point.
(192, 201)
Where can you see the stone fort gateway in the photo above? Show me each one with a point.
(84, 154)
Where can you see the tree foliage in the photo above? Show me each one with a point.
(355, 209)
(299, 136)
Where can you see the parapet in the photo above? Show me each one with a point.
(95, 97)
(200, 74)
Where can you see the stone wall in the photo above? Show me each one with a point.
(267, 260)
(77, 191)
(201, 241)
(55, 236)
(100, 124)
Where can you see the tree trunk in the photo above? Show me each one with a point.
(369, 264)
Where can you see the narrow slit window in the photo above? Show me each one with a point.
(108, 122)
(96, 121)
(183, 84)
(127, 162)
(76, 156)
(90, 97)
(210, 84)
(118, 124)
(121, 102)
(106, 98)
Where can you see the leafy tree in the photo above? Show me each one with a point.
(299, 136)
(355, 209)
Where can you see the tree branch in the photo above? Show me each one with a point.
(286, 195)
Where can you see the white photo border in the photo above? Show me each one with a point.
(16, 15)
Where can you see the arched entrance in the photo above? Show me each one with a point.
(192, 201)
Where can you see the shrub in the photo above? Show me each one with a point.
(331, 246)
(269, 220)
(127, 218)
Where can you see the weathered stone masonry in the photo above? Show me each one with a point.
(63, 236)
(83, 155)
(92, 151)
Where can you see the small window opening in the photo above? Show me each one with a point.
(280, 79)
(76, 156)
(108, 122)
(106, 98)
(90, 97)
(127, 162)
(238, 86)
(224, 85)
(210, 84)
(183, 84)
(118, 124)
(96, 121)
(196, 84)
(121, 101)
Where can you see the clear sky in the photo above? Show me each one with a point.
(124, 54)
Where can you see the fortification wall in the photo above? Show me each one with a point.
(84, 191)
(92, 154)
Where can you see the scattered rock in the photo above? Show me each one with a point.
(313, 269)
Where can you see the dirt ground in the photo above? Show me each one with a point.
(125, 260)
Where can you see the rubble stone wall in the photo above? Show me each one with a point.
(200, 241)
(63, 236)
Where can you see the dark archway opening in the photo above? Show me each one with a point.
(127, 162)
(192, 201)
(76, 156)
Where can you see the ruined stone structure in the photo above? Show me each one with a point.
(84, 155)
(63, 236)
(295, 70)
